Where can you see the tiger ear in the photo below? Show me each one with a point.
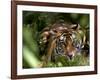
(75, 26)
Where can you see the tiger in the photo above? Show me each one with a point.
(62, 39)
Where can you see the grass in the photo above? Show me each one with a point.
(61, 61)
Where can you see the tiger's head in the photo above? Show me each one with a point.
(61, 39)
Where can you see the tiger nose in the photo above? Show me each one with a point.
(70, 57)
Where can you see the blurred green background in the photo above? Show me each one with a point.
(34, 22)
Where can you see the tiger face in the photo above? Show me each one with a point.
(64, 46)
(61, 40)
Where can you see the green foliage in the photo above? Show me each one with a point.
(34, 22)
(62, 61)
